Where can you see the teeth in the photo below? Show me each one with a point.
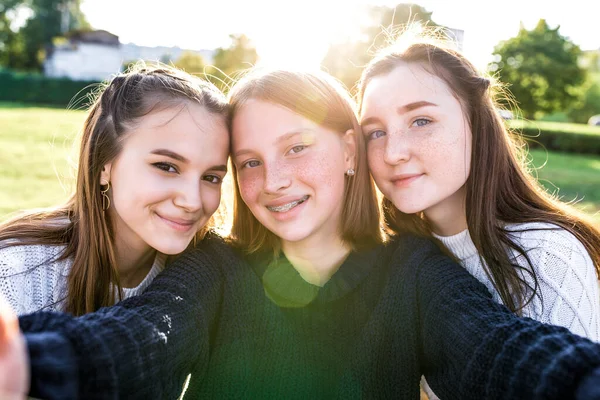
(288, 206)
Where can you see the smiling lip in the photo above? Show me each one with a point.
(286, 203)
(178, 224)
(403, 180)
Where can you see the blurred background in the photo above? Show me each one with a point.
(53, 54)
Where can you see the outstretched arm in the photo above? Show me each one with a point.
(142, 347)
(476, 348)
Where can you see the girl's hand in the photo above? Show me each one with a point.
(14, 362)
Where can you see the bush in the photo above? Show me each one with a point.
(568, 138)
(38, 89)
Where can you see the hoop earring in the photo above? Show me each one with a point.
(350, 172)
(105, 198)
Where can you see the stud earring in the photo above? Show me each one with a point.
(350, 172)
(105, 198)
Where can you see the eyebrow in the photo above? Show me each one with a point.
(400, 110)
(179, 157)
(280, 139)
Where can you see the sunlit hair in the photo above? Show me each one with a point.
(81, 225)
(321, 99)
(500, 189)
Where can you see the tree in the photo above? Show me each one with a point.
(229, 61)
(11, 43)
(541, 67)
(50, 18)
(346, 60)
(190, 62)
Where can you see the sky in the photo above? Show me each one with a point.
(297, 33)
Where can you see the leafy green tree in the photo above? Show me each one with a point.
(50, 18)
(346, 60)
(588, 103)
(229, 61)
(190, 62)
(541, 67)
(11, 43)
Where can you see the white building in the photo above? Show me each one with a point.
(96, 55)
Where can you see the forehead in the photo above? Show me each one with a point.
(261, 119)
(406, 83)
(188, 129)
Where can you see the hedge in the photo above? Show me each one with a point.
(38, 89)
(567, 138)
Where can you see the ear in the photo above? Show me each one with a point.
(105, 174)
(349, 139)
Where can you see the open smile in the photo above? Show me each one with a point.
(288, 206)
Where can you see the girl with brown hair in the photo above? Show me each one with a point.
(152, 157)
(450, 169)
(311, 307)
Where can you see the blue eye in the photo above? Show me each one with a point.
(251, 164)
(297, 149)
(422, 122)
(165, 166)
(376, 134)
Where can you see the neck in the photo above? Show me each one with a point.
(133, 263)
(317, 259)
(449, 217)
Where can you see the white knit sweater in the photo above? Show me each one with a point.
(31, 279)
(568, 284)
(567, 279)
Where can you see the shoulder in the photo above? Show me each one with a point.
(214, 248)
(17, 258)
(547, 238)
(409, 245)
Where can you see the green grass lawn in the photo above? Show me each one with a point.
(35, 144)
(556, 126)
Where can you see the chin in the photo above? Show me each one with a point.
(171, 248)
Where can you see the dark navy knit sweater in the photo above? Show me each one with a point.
(255, 329)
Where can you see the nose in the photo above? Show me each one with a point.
(189, 196)
(276, 178)
(397, 149)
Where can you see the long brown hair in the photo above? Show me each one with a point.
(321, 99)
(500, 190)
(80, 224)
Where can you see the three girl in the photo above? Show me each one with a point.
(304, 300)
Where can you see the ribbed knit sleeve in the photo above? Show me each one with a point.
(476, 348)
(144, 346)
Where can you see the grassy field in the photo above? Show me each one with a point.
(36, 144)
(556, 126)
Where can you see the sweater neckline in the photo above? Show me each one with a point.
(285, 286)
(461, 244)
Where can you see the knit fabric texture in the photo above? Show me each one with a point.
(254, 329)
(33, 278)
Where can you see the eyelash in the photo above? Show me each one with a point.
(211, 178)
(162, 165)
(301, 146)
(422, 119)
(245, 164)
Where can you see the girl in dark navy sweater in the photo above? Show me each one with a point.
(305, 301)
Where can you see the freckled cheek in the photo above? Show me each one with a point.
(250, 186)
(446, 158)
(375, 155)
(322, 170)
